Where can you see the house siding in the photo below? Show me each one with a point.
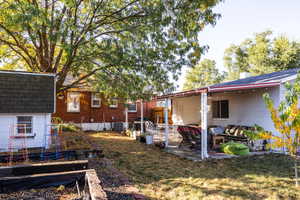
(186, 110)
(245, 108)
(102, 114)
(41, 125)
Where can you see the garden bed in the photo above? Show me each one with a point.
(50, 193)
(31, 180)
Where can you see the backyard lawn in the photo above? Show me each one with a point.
(159, 175)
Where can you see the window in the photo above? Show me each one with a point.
(24, 124)
(131, 107)
(73, 102)
(220, 109)
(96, 100)
(113, 103)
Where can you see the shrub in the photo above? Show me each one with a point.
(69, 128)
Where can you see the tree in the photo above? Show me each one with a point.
(106, 43)
(286, 119)
(262, 54)
(203, 74)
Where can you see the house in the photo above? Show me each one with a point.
(92, 111)
(27, 101)
(236, 102)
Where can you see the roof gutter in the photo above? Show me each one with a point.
(243, 86)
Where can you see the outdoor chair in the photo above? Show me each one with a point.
(191, 137)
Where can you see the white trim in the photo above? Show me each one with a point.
(93, 94)
(72, 111)
(166, 109)
(203, 99)
(32, 122)
(142, 116)
(132, 111)
(27, 73)
(114, 105)
(289, 78)
(249, 86)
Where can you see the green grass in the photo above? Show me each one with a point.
(159, 175)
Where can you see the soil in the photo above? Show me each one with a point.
(113, 182)
(51, 193)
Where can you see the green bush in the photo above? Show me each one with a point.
(69, 128)
(235, 148)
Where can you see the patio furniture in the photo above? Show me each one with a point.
(217, 140)
(191, 137)
(230, 133)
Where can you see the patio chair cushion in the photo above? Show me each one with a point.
(191, 136)
(216, 130)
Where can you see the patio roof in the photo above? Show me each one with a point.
(253, 82)
(184, 93)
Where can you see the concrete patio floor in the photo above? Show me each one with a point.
(196, 155)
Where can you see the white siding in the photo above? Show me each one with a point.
(41, 125)
(186, 110)
(246, 108)
(95, 126)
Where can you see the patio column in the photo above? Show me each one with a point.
(126, 118)
(166, 122)
(204, 153)
(142, 117)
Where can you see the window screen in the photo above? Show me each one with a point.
(131, 107)
(220, 109)
(24, 124)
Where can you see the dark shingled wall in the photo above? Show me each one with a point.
(26, 93)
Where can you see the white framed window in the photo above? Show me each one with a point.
(220, 109)
(96, 100)
(113, 103)
(24, 124)
(73, 102)
(132, 107)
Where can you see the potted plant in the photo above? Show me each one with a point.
(255, 135)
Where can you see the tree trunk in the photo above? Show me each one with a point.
(296, 171)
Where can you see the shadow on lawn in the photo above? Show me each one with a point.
(236, 177)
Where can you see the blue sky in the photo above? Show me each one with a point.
(242, 18)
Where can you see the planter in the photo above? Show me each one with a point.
(149, 139)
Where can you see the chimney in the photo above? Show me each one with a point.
(245, 75)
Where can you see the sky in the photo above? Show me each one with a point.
(242, 18)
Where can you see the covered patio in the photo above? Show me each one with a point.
(238, 106)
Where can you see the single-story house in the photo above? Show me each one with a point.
(236, 102)
(92, 111)
(27, 101)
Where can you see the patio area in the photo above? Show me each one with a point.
(174, 139)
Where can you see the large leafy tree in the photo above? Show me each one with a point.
(262, 54)
(120, 46)
(203, 74)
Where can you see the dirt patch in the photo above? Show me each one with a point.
(51, 193)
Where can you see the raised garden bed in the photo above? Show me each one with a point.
(32, 179)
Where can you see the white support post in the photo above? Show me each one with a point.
(204, 153)
(142, 117)
(166, 122)
(126, 118)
